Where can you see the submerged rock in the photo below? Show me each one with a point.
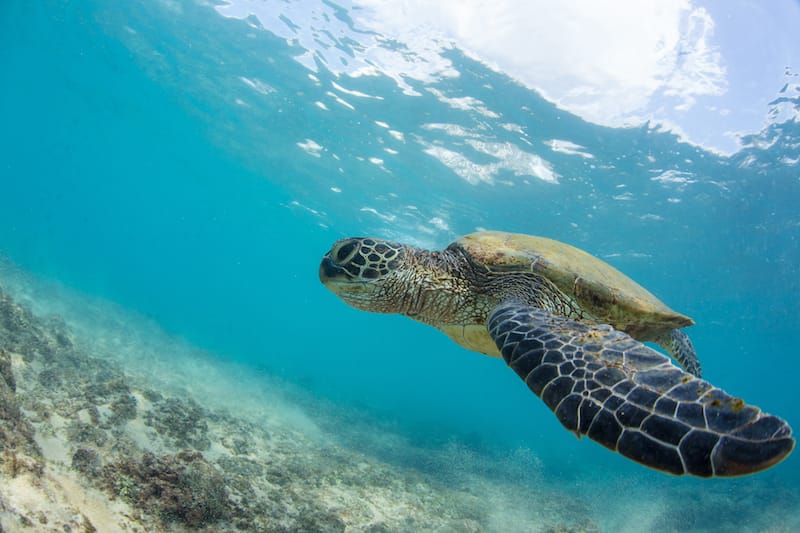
(124, 408)
(87, 461)
(21, 333)
(16, 433)
(184, 487)
(183, 421)
(6, 375)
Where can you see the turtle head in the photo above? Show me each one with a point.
(366, 273)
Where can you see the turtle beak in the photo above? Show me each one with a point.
(331, 272)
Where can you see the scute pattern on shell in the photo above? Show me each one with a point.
(602, 291)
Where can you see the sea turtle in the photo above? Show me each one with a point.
(571, 326)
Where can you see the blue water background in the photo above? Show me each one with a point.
(129, 171)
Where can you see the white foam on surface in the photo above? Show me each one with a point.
(472, 173)
(568, 147)
(339, 100)
(351, 92)
(511, 157)
(675, 178)
(257, 85)
(386, 217)
(464, 103)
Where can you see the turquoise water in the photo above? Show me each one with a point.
(188, 167)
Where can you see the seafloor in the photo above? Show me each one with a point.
(109, 424)
(101, 429)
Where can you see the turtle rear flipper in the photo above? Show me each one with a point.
(630, 398)
(680, 347)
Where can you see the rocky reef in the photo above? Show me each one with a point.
(86, 446)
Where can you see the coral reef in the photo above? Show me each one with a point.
(183, 488)
(99, 449)
(182, 421)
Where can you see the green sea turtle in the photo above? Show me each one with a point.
(571, 326)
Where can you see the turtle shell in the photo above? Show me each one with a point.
(605, 293)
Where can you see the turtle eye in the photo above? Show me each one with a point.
(345, 251)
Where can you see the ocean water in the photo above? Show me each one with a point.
(191, 164)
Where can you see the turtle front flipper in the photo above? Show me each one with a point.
(630, 398)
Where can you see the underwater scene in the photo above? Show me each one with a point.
(192, 339)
